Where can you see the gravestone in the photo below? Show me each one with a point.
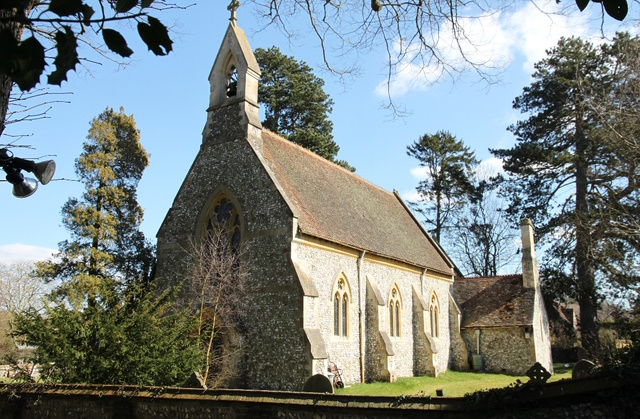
(318, 384)
(538, 374)
(583, 368)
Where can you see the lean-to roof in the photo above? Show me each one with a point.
(496, 301)
(334, 204)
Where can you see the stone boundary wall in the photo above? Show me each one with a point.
(612, 397)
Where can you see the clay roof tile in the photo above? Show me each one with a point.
(337, 205)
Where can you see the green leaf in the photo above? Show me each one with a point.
(28, 64)
(617, 9)
(116, 42)
(66, 7)
(156, 36)
(146, 3)
(67, 56)
(582, 4)
(123, 6)
(87, 13)
(24, 62)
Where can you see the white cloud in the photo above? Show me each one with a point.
(491, 40)
(536, 28)
(485, 43)
(488, 168)
(419, 172)
(410, 196)
(15, 252)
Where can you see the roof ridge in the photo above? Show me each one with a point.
(472, 278)
(317, 156)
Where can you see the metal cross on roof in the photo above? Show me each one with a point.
(233, 6)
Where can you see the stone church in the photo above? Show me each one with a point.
(339, 269)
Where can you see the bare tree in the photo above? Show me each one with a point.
(483, 242)
(21, 288)
(217, 282)
(36, 34)
(33, 105)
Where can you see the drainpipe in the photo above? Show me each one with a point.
(361, 313)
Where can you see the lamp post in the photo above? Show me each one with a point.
(13, 167)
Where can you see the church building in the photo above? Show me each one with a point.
(339, 270)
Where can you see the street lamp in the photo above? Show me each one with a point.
(24, 187)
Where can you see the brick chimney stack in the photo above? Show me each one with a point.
(530, 272)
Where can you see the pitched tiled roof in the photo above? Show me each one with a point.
(496, 301)
(336, 205)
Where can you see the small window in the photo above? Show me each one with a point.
(395, 312)
(341, 309)
(434, 311)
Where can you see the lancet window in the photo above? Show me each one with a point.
(341, 308)
(395, 312)
(434, 311)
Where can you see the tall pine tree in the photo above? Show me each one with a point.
(104, 323)
(562, 167)
(449, 165)
(296, 105)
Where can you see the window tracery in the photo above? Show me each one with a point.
(224, 220)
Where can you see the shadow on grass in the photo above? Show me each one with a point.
(452, 383)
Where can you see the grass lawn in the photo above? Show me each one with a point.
(453, 383)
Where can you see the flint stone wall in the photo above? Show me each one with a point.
(275, 351)
(324, 268)
(504, 350)
(598, 397)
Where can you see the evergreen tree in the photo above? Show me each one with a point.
(571, 180)
(104, 223)
(296, 105)
(104, 323)
(448, 187)
(135, 338)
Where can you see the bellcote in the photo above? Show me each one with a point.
(235, 73)
(233, 80)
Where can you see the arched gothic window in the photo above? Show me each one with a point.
(232, 82)
(434, 310)
(341, 308)
(224, 223)
(395, 312)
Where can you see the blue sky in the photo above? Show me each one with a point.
(168, 97)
